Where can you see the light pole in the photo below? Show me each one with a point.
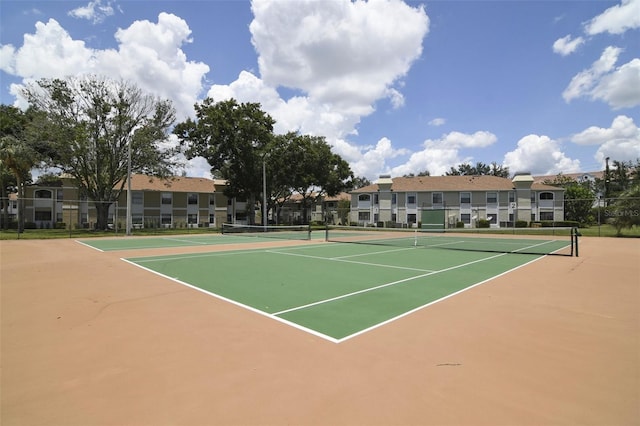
(128, 227)
(264, 195)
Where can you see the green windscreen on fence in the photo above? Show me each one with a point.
(433, 219)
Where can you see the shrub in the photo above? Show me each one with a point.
(459, 224)
(521, 224)
(484, 223)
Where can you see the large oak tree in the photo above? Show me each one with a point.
(92, 123)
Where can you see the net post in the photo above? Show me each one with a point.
(326, 232)
(576, 234)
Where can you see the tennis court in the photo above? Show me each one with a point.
(90, 339)
(338, 291)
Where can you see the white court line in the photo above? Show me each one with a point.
(390, 320)
(341, 259)
(236, 303)
(386, 285)
(89, 245)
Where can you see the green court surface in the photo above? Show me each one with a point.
(137, 243)
(335, 291)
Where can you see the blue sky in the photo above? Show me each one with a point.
(395, 87)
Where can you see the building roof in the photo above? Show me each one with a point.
(578, 177)
(452, 183)
(175, 184)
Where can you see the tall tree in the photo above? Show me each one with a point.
(480, 169)
(232, 137)
(17, 156)
(321, 172)
(304, 165)
(360, 182)
(92, 126)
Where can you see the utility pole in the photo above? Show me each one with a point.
(606, 182)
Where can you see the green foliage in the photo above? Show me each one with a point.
(625, 212)
(238, 142)
(578, 203)
(484, 223)
(479, 169)
(232, 138)
(89, 124)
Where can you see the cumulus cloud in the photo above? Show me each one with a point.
(373, 159)
(540, 155)
(566, 45)
(96, 11)
(343, 57)
(621, 141)
(617, 19)
(347, 54)
(439, 155)
(149, 54)
(619, 87)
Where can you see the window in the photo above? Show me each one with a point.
(375, 199)
(394, 198)
(465, 218)
(465, 198)
(512, 197)
(192, 218)
(192, 199)
(43, 215)
(136, 198)
(167, 198)
(42, 193)
(436, 198)
(363, 216)
(546, 215)
(411, 198)
(212, 200)
(364, 197)
(136, 219)
(533, 197)
(60, 195)
(492, 198)
(411, 218)
(546, 195)
(212, 218)
(165, 218)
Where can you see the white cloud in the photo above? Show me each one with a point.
(95, 11)
(437, 122)
(621, 141)
(617, 19)
(149, 54)
(566, 45)
(347, 54)
(622, 127)
(539, 155)
(439, 155)
(619, 87)
(343, 56)
(373, 159)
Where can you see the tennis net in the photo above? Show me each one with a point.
(302, 232)
(538, 241)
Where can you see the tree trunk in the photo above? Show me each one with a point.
(102, 213)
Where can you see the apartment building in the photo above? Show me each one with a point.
(450, 201)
